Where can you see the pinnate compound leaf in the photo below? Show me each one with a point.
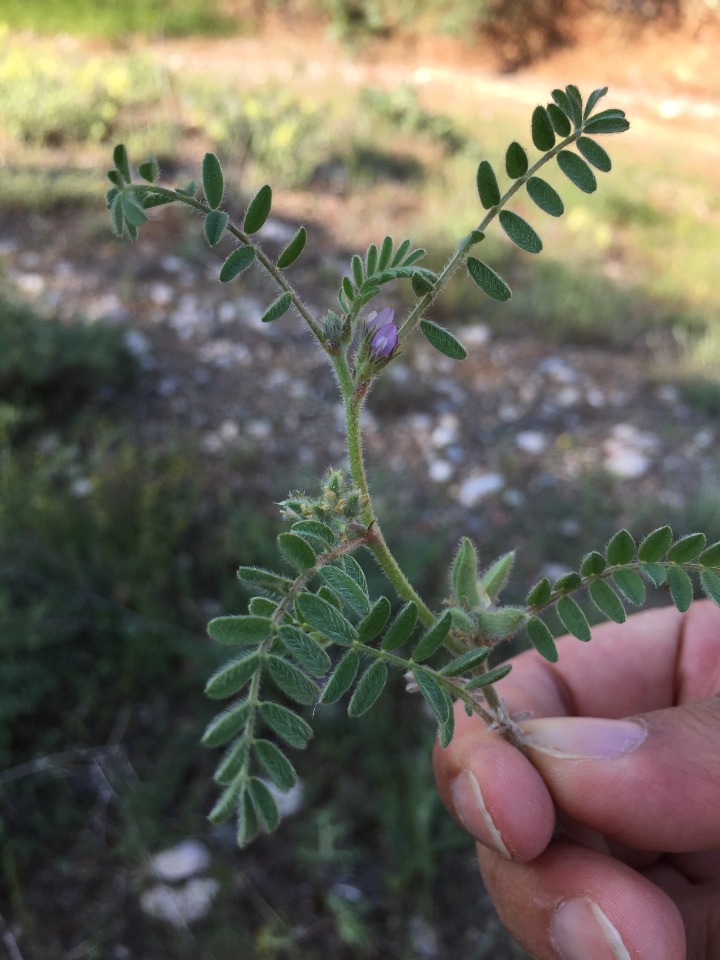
(226, 724)
(655, 545)
(401, 627)
(342, 678)
(286, 724)
(442, 340)
(307, 651)
(711, 556)
(122, 164)
(292, 681)
(539, 594)
(545, 196)
(593, 99)
(492, 676)
(542, 639)
(710, 583)
(489, 282)
(346, 588)
(433, 639)
(263, 801)
(325, 618)
(594, 154)
(686, 548)
(573, 619)
(620, 549)
(215, 223)
(232, 763)
(612, 124)
(593, 564)
(293, 250)
(543, 135)
(239, 260)
(296, 551)
(243, 630)
(607, 601)
(487, 185)
(212, 179)
(520, 232)
(278, 308)
(631, 586)
(516, 161)
(276, 764)
(681, 588)
(577, 171)
(559, 120)
(374, 621)
(436, 698)
(655, 572)
(258, 210)
(466, 661)
(231, 678)
(265, 580)
(370, 686)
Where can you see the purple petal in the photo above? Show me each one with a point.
(384, 341)
(378, 319)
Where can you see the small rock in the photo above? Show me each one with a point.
(627, 451)
(182, 861)
(478, 486)
(182, 905)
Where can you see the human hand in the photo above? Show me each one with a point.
(636, 872)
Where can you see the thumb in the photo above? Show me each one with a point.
(651, 781)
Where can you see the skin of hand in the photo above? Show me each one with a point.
(603, 841)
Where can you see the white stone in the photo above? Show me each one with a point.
(440, 471)
(531, 441)
(182, 861)
(179, 906)
(627, 464)
(478, 486)
(627, 452)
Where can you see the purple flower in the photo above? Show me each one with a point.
(376, 319)
(384, 340)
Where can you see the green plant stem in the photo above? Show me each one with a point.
(353, 400)
(460, 253)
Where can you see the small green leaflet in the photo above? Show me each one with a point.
(573, 619)
(231, 678)
(226, 804)
(276, 764)
(594, 154)
(620, 549)
(681, 589)
(120, 159)
(497, 574)
(438, 701)
(539, 594)
(609, 124)
(593, 564)
(292, 681)
(543, 135)
(577, 171)
(357, 271)
(316, 530)
(243, 630)
(434, 638)
(258, 210)
(296, 550)
(286, 724)
(262, 607)
(442, 340)
(342, 678)
(492, 676)
(559, 120)
(520, 232)
(239, 260)
(547, 198)
(516, 161)
(371, 259)
(487, 185)
(293, 250)
(401, 627)
(575, 101)
(489, 282)
(561, 99)
(711, 556)
(277, 308)
(592, 100)
(655, 545)
(710, 583)
(265, 807)
(265, 580)
(132, 211)
(231, 763)
(371, 625)
(607, 601)
(687, 548)
(465, 662)
(212, 179)
(307, 651)
(655, 572)
(248, 827)
(346, 588)
(325, 618)
(369, 688)
(226, 725)
(215, 223)
(149, 170)
(385, 253)
(631, 586)
(568, 581)
(542, 639)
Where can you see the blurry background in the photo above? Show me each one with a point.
(148, 422)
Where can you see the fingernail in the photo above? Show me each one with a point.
(473, 814)
(584, 737)
(579, 930)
